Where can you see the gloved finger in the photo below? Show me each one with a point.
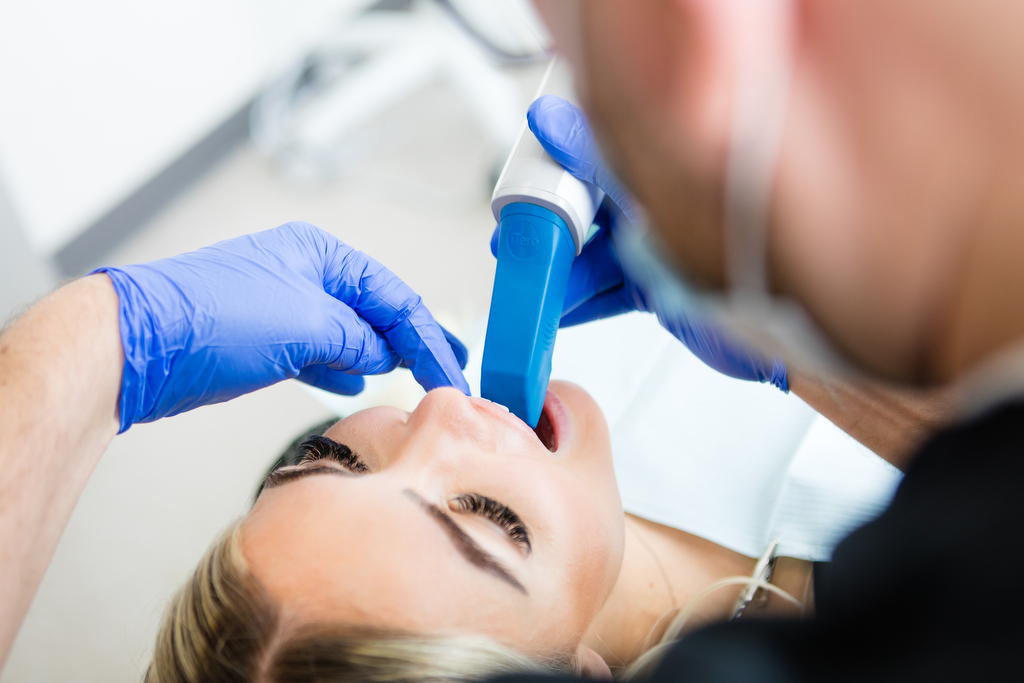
(494, 240)
(565, 134)
(390, 306)
(605, 305)
(422, 343)
(726, 355)
(460, 350)
(352, 345)
(594, 271)
(334, 381)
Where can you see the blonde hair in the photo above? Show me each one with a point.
(223, 627)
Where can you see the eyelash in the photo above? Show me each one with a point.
(321, 448)
(475, 504)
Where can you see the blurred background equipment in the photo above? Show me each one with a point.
(317, 120)
(111, 109)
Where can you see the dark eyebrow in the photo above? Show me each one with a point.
(469, 549)
(473, 553)
(285, 476)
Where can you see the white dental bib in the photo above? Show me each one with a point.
(738, 463)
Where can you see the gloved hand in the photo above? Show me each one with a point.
(598, 287)
(292, 302)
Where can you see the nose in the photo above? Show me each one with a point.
(449, 411)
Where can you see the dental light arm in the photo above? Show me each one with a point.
(544, 215)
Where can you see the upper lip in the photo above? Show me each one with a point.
(504, 415)
(553, 407)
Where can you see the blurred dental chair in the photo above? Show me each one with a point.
(309, 120)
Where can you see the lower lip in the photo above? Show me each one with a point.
(558, 414)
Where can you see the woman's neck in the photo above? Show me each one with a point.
(662, 569)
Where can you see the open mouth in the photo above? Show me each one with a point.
(545, 430)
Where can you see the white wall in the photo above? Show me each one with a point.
(97, 97)
(24, 276)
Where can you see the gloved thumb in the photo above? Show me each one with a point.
(565, 134)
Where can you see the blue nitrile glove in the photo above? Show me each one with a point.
(598, 288)
(292, 302)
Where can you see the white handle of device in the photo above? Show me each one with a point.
(533, 177)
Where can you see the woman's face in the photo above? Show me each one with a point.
(454, 518)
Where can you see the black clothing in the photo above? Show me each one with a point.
(929, 591)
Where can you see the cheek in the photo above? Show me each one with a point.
(374, 434)
(866, 211)
(659, 119)
(589, 458)
(590, 505)
(562, 19)
(632, 43)
(583, 544)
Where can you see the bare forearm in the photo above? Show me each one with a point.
(60, 375)
(891, 421)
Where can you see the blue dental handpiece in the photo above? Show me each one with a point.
(544, 216)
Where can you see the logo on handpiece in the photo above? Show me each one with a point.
(523, 240)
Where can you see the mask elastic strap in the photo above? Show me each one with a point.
(763, 73)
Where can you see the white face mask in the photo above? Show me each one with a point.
(775, 326)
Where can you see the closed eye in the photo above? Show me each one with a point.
(321, 448)
(500, 514)
(314, 449)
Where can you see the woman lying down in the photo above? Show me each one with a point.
(452, 542)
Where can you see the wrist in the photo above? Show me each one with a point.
(139, 338)
(100, 299)
(779, 376)
(890, 420)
